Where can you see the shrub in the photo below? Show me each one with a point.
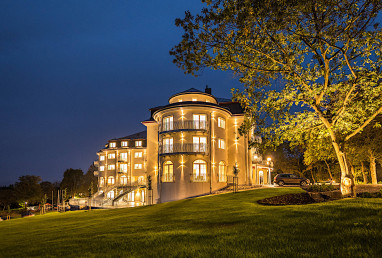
(320, 188)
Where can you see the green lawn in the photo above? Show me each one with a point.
(223, 225)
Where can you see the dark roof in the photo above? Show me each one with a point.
(223, 100)
(140, 135)
(191, 90)
(234, 107)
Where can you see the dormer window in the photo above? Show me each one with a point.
(124, 143)
(138, 143)
(113, 145)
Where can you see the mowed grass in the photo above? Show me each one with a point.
(223, 225)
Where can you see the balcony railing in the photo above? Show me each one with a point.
(183, 148)
(183, 125)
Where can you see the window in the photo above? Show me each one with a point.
(101, 181)
(221, 144)
(123, 180)
(124, 143)
(168, 172)
(111, 156)
(141, 180)
(199, 171)
(138, 143)
(200, 143)
(123, 156)
(123, 168)
(110, 195)
(138, 166)
(221, 122)
(101, 168)
(101, 158)
(168, 123)
(113, 145)
(168, 144)
(138, 154)
(110, 180)
(222, 175)
(111, 167)
(200, 121)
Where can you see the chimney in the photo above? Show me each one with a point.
(208, 90)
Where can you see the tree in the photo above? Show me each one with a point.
(28, 189)
(7, 196)
(72, 181)
(90, 180)
(310, 68)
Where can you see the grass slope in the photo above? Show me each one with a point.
(224, 225)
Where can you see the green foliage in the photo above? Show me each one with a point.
(320, 188)
(311, 69)
(72, 181)
(28, 189)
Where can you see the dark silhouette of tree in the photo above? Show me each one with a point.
(28, 189)
(72, 181)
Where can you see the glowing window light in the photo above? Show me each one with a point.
(101, 158)
(113, 145)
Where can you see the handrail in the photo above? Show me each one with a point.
(183, 125)
(183, 148)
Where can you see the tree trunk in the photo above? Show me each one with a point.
(311, 172)
(330, 173)
(363, 172)
(347, 180)
(373, 168)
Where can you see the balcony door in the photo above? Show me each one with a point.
(200, 143)
(168, 123)
(168, 144)
(199, 121)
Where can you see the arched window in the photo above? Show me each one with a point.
(110, 195)
(101, 181)
(168, 172)
(123, 180)
(222, 173)
(110, 180)
(199, 171)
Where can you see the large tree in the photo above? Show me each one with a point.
(28, 189)
(72, 181)
(313, 67)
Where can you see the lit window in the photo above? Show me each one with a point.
(194, 99)
(123, 156)
(199, 171)
(101, 168)
(222, 175)
(221, 122)
(123, 180)
(111, 167)
(199, 121)
(101, 158)
(168, 172)
(110, 195)
(113, 145)
(111, 156)
(138, 166)
(221, 144)
(168, 122)
(110, 180)
(124, 144)
(138, 143)
(123, 168)
(101, 181)
(199, 143)
(168, 145)
(138, 154)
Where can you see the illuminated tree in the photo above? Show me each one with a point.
(310, 68)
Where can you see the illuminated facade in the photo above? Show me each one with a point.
(190, 149)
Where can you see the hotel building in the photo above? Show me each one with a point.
(189, 148)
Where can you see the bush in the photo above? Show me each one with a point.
(320, 188)
(370, 195)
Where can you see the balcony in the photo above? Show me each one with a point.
(179, 148)
(185, 125)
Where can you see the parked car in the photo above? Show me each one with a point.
(290, 179)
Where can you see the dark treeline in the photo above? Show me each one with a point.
(31, 190)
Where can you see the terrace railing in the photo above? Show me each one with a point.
(183, 125)
(183, 148)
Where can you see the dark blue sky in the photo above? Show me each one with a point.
(74, 74)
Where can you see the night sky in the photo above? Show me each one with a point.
(77, 73)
